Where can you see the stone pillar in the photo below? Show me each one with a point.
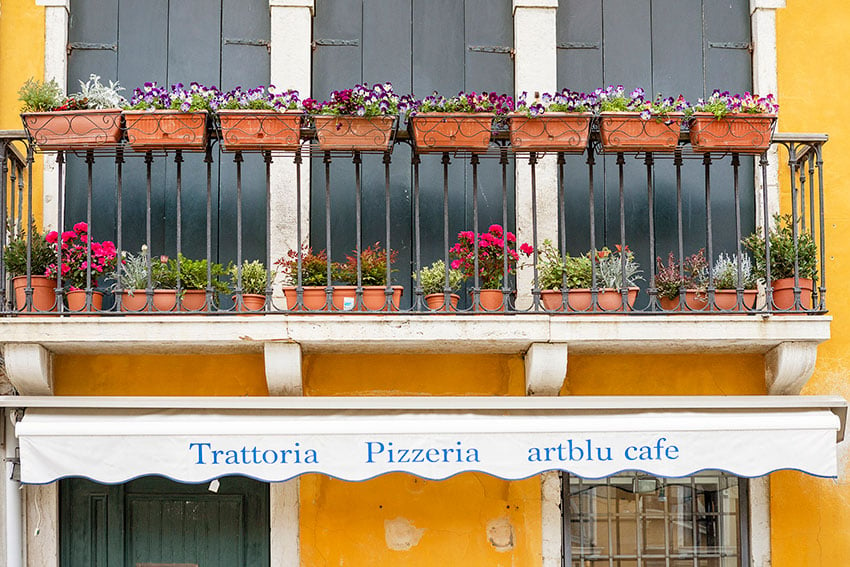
(535, 70)
(291, 68)
(763, 25)
(56, 16)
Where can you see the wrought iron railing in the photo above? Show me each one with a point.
(603, 199)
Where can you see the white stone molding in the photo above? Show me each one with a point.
(56, 18)
(535, 70)
(788, 366)
(545, 368)
(283, 368)
(291, 68)
(42, 525)
(760, 521)
(763, 30)
(284, 504)
(29, 368)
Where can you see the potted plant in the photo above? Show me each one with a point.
(189, 277)
(564, 280)
(733, 123)
(494, 247)
(260, 119)
(254, 280)
(175, 118)
(461, 122)
(632, 123)
(135, 274)
(372, 278)
(786, 253)
(437, 282)
(360, 118)
(682, 286)
(41, 256)
(616, 272)
(87, 119)
(552, 122)
(729, 275)
(311, 281)
(82, 263)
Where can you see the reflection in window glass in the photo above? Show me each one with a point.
(637, 520)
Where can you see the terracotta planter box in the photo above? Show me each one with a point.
(354, 133)
(43, 294)
(166, 129)
(259, 130)
(76, 301)
(695, 302)
(313, 298)
(580, 300)
(164, 300)
(783, 294)
(551, 132)
(628, 132)
(374, 298)
(491, 300)
(437, 302)
(252, 304)
(741, 133)
(449, 132)
(74, 129)
(194, 300)
(727, 300)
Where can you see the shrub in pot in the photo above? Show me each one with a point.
(41, 256)
(254, 280)
(83, 261)
(558, 275)
(190, 278)
(729, 274)
(313, 281)
(435, 285)
(135, 274)
(682, 286)
(373, 262)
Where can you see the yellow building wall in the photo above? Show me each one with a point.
(21, 57)
(810, 517)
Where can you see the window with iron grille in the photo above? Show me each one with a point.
(637, 520)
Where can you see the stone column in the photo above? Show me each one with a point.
(291, 68)
(535, 70)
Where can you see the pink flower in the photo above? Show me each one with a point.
(52, 237)
(526, 249)
(81, 227)
(455, 264)
(68, 235)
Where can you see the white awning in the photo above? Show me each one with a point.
(435, 438)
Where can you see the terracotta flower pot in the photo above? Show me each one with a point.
(628, 132)
(313, 298)
(696, 301)
(74, 129)
(374, 298)
(491, 300)
(354, 132)
(43, 293)
(783, 294)
(260, 130)
(252, 303)
(166, 129)
(164, 300)
(76, 300)
(727, 299)
(449, 132)
(552, 131)
(744, 133)
(193, 300)
(437, 302)
(608, 300)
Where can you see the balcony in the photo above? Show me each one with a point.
(224, 207)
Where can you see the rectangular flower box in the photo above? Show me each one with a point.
(628, 132)
(166, 129)
(449, 132)
(354, 133)
(552, 131)
(260, 130)
(741, 133)
(73, 129)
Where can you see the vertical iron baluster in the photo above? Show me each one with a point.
(535, 289)
(20, 170)
(624, 291)
(793, 164)
(650, 196)
(28, 290)
(267, 160)
(801, 167)
(768, 291)
(239, 298)
(476, 290)
(562, 230)
(299, 289)
(591, 160)
(822, 288)
(208, 300)
(418, 306)
(736, 163)
(680, 232)
(810, 153)
(358, 226)
(329, 284)
(709, 245)
(60, 223)
(389, 290)
(90, 183)
(178, 159)
(503, 161)
(4, 173)
(119, 237)
(148, 166)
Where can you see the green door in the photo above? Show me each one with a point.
(155, 520)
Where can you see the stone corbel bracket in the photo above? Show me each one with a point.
(788, 366)
(29, 367)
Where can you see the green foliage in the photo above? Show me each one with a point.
(132, 272)
(314, 267)
(784, 250)
(373, 266)
(610, 271)
(42, 254)
(99, 96)
(672, 277)
(254, 277)
(724, 273)
(434, 278)
(556, 272)
(40, 96)
(192, 274)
